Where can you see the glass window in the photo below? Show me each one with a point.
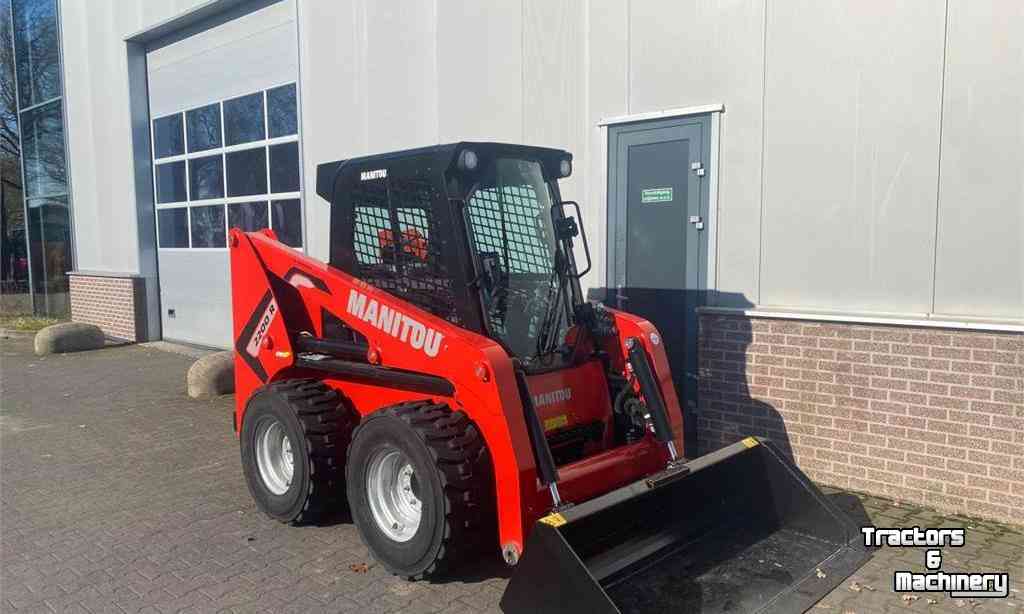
(287, 221)
(203, 127)
(282, 117)
(248, 216)
(510, 222)
(37, 49)
(243, 119)
(247, 172)
(235, 163)
(17, 297)
(284, 167)
(172, 225)
(42, 134)
(49, 229)
(170, 182)
(206, 177)
(167, 138)
(207, 226)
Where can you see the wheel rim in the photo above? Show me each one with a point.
(274, 456)
(393, 492)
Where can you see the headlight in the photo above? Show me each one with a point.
(468, 160)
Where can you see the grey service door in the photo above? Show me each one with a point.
(657, 242)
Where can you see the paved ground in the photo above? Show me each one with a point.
(118, 494)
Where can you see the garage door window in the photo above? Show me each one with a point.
(230, 163)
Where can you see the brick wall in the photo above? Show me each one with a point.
(923, 415)
(114, 304)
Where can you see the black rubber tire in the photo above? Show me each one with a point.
(319, 425)
(454, 475)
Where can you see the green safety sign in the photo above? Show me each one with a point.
(656, 195)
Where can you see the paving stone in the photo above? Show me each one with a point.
(130, 499)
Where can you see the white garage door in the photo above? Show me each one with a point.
(226, 154)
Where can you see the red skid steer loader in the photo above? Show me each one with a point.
(444, 377)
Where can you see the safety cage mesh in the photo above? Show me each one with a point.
(507, 221)
(396, 243)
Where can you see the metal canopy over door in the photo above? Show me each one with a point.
(657, 245)
(223, 119)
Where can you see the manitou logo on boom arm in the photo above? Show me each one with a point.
(395, 323)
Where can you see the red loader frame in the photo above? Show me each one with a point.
(278, 296)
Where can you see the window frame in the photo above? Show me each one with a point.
(223, 151)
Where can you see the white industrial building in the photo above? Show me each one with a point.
(856, 163)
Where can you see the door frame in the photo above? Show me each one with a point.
(707, 274)
(714, 111)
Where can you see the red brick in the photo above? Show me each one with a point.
(1004, 422)
(928, 412)
(973, 443)
(1013, 449)
(1007, 358)
(1011, 500)
(854, 332)
(955, 353)
(981, 368)
(929, 388)
(873, 370)
(857, 357)
(970, 417)
(966, 492)
(943, 426)
(890, 384)
(836, 344)
(1003, 383)
(869, 393)
(910, 350)
(1015, 371)
(951, 477)
(835, 367)
(993, 433)
(950, 378)
(1006, 396)
(870, 346)
(965, 392)
(1010, 343)
(967, 467)
(789, 328)
(909, 374)
(980, 456)
(931, 338)
(861, 381)
(905, 469)
(929, 436)
(974, 341)
(946, 451)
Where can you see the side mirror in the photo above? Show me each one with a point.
(566, 227)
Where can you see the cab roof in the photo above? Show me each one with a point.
(328, 173)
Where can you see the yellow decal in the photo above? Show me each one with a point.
(557, 422)
(554, 519)
(750, 442)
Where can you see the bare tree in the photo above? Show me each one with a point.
(9, 147)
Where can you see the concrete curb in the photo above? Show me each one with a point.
(211, 376)
(69, 337)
